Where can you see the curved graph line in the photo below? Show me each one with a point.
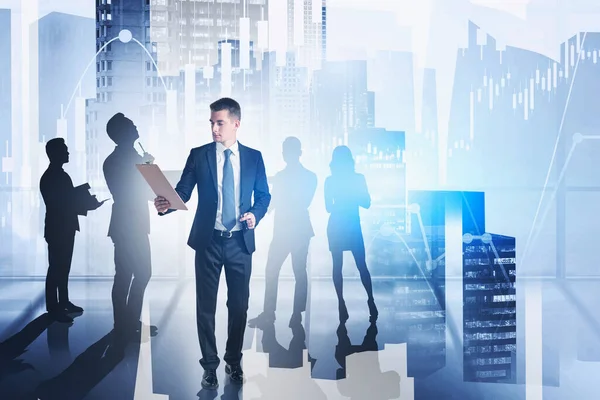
(85, 72)
(527, 244)
(94, 59)
(153, 62)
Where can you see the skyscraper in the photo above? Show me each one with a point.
(188, 31)
(5, 100)
(489, 311)
(340, 101)
(66, 45)
(126, 78)
(5, 144)
(127, 81)
(289, 100)
(306, 31)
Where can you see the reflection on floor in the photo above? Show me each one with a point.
(413, 351)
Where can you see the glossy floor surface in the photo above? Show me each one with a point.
(404, 355)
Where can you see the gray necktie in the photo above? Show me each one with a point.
(228, 193)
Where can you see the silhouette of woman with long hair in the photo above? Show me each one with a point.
(346, 191)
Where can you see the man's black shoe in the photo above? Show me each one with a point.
(209, 379)
(72, 308)
(235, 372)
(263, 320)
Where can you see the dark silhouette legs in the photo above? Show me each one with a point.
(60, 255)
(338, 282)
(278, 253)
(365, 277)
(133, 270)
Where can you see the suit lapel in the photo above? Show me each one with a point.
(211, 155)
(245, 170)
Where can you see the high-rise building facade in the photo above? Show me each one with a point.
(127, 81)
(66, 46)
(188, 31)
(289, 100)
(126, 77)
(6, 160)
(306, 31)
(340, 101)
(5, 100)
(489, 311)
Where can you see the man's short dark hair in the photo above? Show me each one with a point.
(53, 146)
(226, 103)
(115, 125)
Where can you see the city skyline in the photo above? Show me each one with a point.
(536, 25)
(479, 154)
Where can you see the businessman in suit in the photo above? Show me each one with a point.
(227, 174)
(129, 228)
(64, 203)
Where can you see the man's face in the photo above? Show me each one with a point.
(65, 153)
(62, 154)
(132, 131)
(224, 127)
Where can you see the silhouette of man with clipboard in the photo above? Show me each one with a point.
(64, 203)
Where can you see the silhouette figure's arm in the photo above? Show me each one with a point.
(59, 194)
(262, 197)
(114, 181)
(273, 183)
(364, 198)
(328, 196)
(84, 201)
(187, 182)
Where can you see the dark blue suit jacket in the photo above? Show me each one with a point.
(201, 170)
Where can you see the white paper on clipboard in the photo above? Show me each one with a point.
(160, 185)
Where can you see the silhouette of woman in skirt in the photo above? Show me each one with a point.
(346, 191)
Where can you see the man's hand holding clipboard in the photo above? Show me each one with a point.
(167, 197)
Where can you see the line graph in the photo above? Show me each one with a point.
(560, 128)
(578, 138)
(124, 36)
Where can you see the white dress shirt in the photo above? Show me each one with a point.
(234, 157)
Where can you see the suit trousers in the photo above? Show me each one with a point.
(232, 254)
(133, 269)
(60, 255)
(279, 251)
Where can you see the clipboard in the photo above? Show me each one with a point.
(160, 185)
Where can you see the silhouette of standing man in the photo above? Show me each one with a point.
(293, 191)
(64, 203)
(129, 227)
(228, 175)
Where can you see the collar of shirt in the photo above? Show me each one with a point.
(234, 148)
